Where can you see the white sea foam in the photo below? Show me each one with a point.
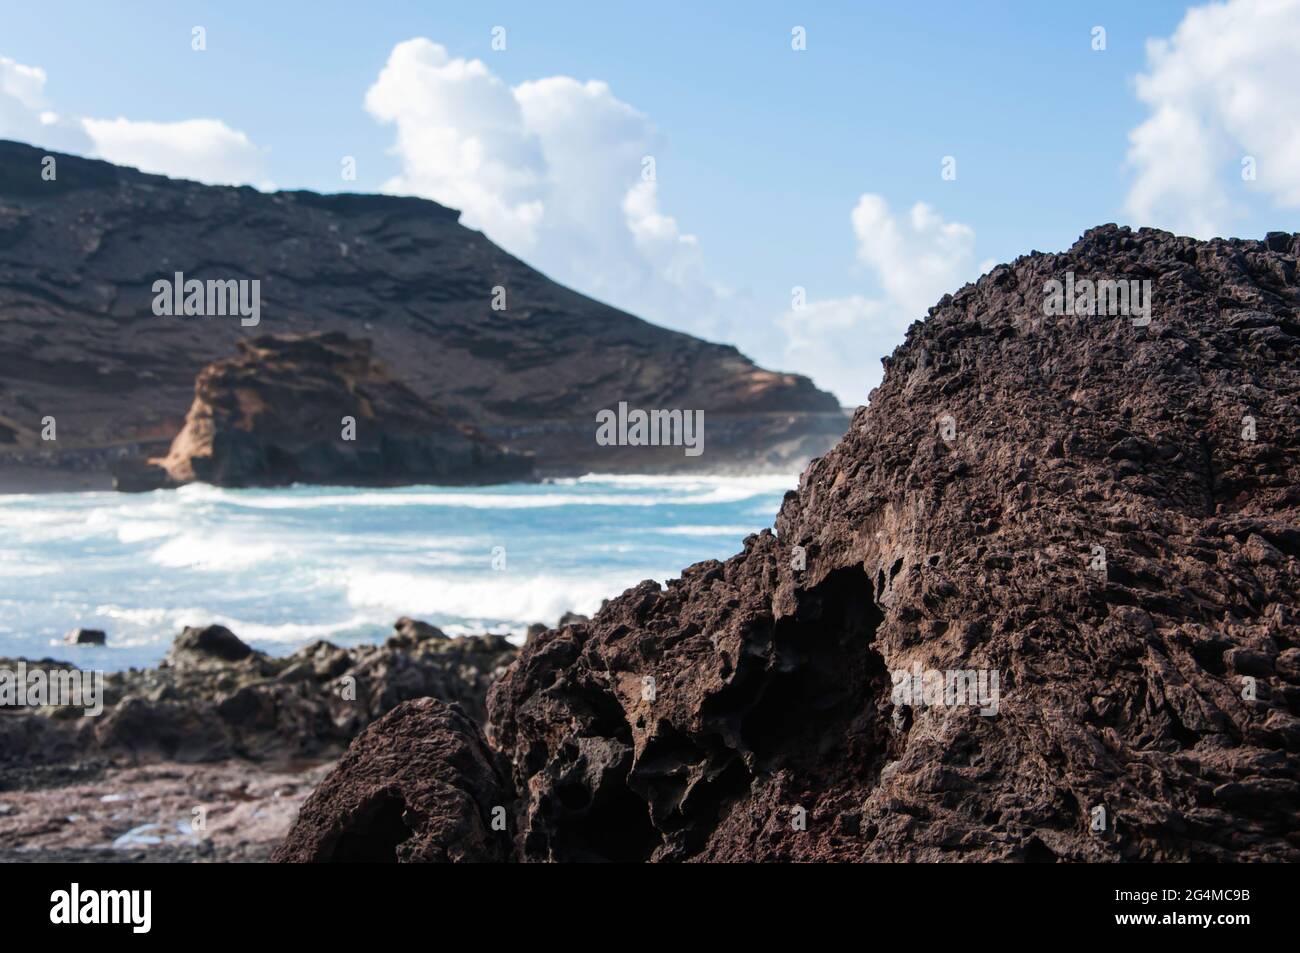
(213, 552)
(286, 566)
(500, 596)
(705, 530)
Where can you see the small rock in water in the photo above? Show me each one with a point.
(86, 637)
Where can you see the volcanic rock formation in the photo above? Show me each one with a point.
(319, 408)
(214, 697)
(1105, 516)
(79, 257)
(419, 786)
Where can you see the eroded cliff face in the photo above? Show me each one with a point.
(1104, 516)
(80, 255)
(319, 408)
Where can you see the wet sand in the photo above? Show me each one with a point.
(227, 811)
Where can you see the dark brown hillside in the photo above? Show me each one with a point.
(79, 255)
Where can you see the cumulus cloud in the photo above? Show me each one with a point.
(915, 259)
(206, 150)
(26, 114)
(553, 170)
(1222, 88)
(203, 149)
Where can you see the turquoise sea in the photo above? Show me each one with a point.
(284, 567)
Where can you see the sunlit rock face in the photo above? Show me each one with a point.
(319, 408)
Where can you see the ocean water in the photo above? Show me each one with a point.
(284, 567)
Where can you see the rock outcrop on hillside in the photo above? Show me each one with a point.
(1104, 516)
(79, 257)
(318, 408)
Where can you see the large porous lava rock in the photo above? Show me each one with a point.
(1104, 514)
(318, 408)
(418, 786)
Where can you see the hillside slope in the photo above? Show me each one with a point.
(79, 256)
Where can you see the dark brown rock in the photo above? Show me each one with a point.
(1073, 503)
(215, 697)
(318, 408)
(418, 786)
(86, 637)
(198, 644)
(411, 632)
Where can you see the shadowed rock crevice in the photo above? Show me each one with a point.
(651, 772)
(372, 835)
(824, 673)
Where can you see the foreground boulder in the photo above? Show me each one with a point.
(318, 408)
(418, 786)
(1078, 537)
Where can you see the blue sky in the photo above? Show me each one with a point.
(762, 153)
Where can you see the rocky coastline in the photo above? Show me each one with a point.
(1038, 605)
(1095, 515)
(219, 728)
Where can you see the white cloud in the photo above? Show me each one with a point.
(206, 150)
(25, 113)
(461, 139)
(915, 259)
(1221, 88)
(550, 169)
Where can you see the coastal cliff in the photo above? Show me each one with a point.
(320, 409)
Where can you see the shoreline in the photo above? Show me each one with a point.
(25, 480)
(208, 755)
(18, 480)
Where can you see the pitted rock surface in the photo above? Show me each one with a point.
(418, 786)
(1107, 516)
